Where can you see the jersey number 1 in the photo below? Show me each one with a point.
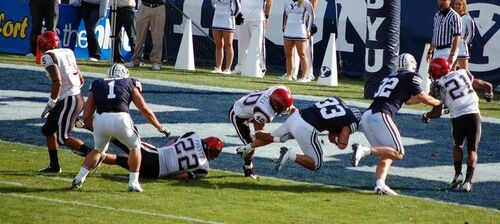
(330, 108)
(111, 94)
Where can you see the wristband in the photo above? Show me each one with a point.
(276, 139)
(52, 102)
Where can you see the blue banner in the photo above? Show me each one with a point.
(347, 18)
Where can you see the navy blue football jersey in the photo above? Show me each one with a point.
(330, 115)
(394, 91)
(113, 95)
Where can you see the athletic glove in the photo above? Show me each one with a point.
(164, 131)
(286, 137)
(425, 119)
(446, 110)
(314, 29)
(435, 90)
(488, 97)
(239, 19)
(50, 104)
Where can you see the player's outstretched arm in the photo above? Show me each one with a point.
(143, 107)
(88, 112)
(488, 88)
(262, 138)
(343, 138)
(424, 98)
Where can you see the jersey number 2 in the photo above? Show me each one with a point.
(388, 84)
(111, 94)
(330, 108)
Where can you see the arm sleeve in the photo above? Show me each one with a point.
(471, 31)
(310, 9)
(237, 7)
(48, 59)
(137, 84)
(457, 25)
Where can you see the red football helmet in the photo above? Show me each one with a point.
(281, 100)
(47, 41)
(213, 146)
(438, 68)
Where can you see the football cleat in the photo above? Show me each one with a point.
(384, 189)
(457, 182)
(134, 187)
(249, 172)
(359, 152)
(50, 169)
(243, 151)
(76, 184)
(467, 186)
(284, 157)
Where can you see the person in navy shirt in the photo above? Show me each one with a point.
(111, 98)
(377, 123)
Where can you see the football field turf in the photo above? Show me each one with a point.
(226, 196)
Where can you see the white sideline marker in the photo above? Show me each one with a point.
(328, 74)
(423, 70)
(127, 210)
(185, 56)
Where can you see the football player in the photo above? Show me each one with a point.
(258, 108)
(65, 100)
(185, 158)
(111, 98)
(378, 125)
(456, 91)
(331, 115)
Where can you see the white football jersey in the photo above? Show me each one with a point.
(457, 93)
(253, 10)
(65, 60)
(256, 106)
(186, 154)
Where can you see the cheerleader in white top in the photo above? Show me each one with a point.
(223, 26)
(298, 17)
(468, 29)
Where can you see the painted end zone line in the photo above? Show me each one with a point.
(127, 210)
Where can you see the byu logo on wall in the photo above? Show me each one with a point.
(325, 72)
(485, 52)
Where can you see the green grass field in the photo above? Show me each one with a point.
(351, 89)
(29, 197)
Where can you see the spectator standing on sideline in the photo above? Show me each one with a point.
(151, 14)
(125, 17)
(296, 34)
(255, 13)
(468, 29)
(42, 10)
(89, 10)
(223, 26)
(446, 35)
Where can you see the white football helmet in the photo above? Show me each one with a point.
(117, 71)
(406, 62)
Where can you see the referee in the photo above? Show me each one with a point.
(447, 31)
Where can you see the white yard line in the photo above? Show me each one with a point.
(90, 205)
(233, 90)
(65, 179)
(17, 184)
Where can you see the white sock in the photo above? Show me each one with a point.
(293, 156)
(249, 166)
(82, 174)
(380, 182)
(133, 177)
(366, 150)
(248, 148)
